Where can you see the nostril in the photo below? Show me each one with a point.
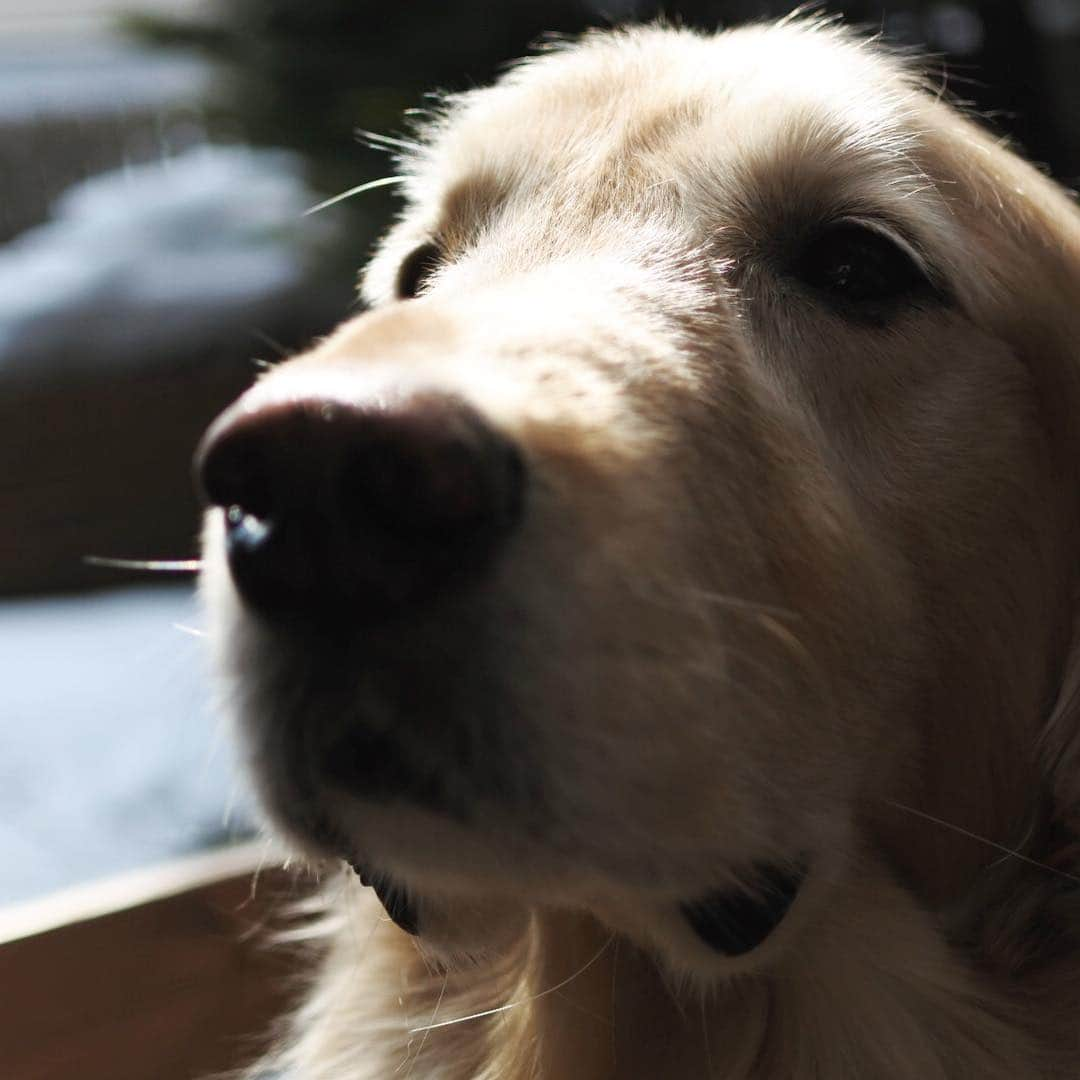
(247, 532)
(233, 471)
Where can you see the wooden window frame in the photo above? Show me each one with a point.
(165, 973)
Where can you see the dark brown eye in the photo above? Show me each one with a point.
(856, 267)
(417, 268)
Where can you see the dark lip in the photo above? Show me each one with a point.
(734, 922)
(397, 901)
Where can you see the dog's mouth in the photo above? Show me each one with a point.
(436, 814)
(733, 922)
(399, 903)
(730, 921)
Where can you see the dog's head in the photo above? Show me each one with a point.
(698, 494)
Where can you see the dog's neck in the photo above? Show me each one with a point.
(872, 990)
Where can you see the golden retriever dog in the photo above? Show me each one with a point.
(663, 597)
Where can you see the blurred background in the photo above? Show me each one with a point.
(157, 159)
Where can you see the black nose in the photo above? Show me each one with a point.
(358, 510)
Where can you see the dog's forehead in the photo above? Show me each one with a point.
(626, 113)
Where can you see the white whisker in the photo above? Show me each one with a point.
(159, 566)
(427, 1030)
(266, 339)
(384, 181)
(524, 1001)
(1011, 853)
(387, 142)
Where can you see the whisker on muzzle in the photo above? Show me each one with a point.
(384, 181)
(1005, 850)
(149, 566)
(524, 1001)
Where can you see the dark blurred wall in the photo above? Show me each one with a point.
(1017, 61)
(306, 73)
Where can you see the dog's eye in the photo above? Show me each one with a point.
(858, 267)
(414, 272)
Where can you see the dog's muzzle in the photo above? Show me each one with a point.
(350, 512)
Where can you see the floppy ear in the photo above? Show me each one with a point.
(1060, 740)
(1022, 908)
(1049, 341)
(1050, 344)
(1032, 226)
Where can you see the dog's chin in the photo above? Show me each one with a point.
(468, 894)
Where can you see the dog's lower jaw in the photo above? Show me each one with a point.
(870, 990)
(731, 922)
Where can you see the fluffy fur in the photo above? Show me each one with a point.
(791, 588)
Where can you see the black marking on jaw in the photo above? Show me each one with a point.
(735, 921)
(399, 905)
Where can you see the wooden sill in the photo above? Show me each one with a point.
(157, 975)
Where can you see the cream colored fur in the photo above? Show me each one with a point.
(787, 588)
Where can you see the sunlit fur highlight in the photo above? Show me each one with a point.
(883, 624)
